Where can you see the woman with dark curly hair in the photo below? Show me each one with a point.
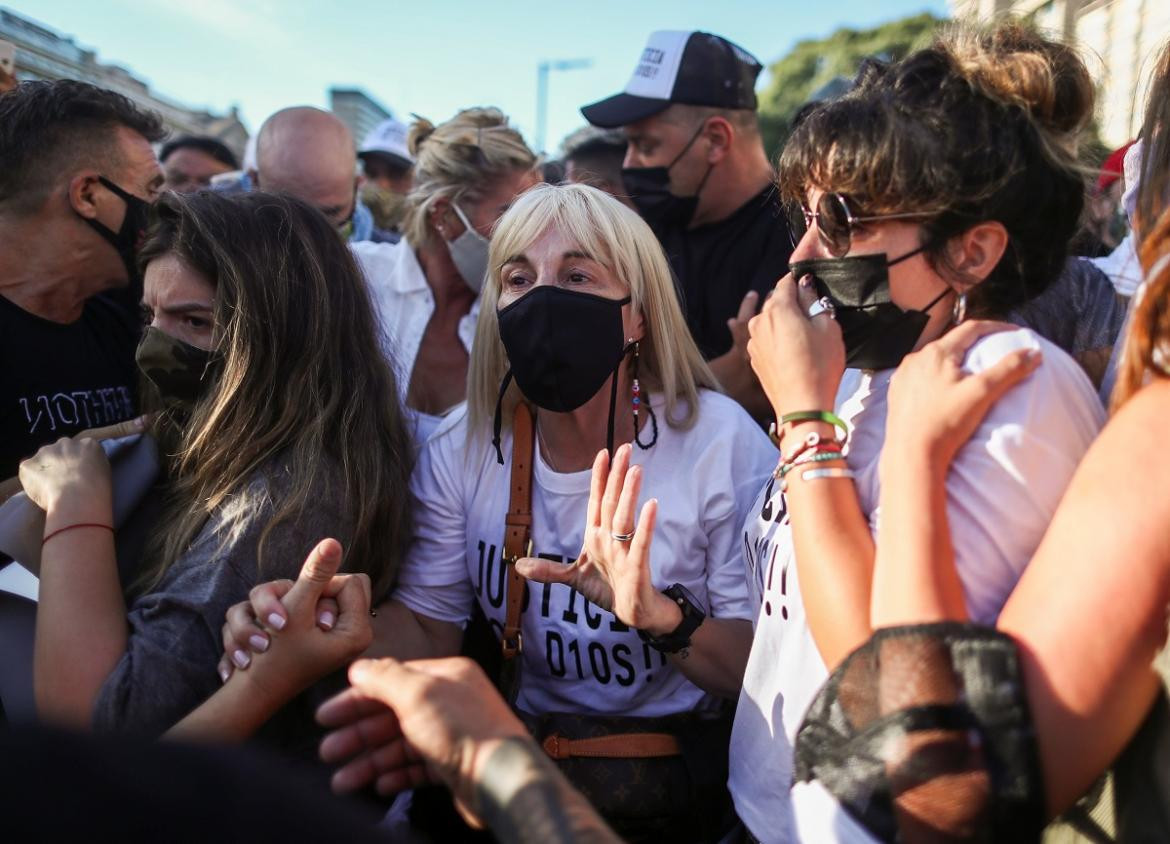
(1073, 679)
(943, 186)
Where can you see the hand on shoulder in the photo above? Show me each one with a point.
(936, 403)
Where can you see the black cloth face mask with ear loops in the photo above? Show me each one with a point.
(877, 333)
(561, 345)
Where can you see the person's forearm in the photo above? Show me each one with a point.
(237, 710)
(81, 631)
(523, 798)
(717, 656)
(915, 580)
(834, 553)
(401, 633)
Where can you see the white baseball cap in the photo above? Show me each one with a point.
(388, 138)
(694, 68)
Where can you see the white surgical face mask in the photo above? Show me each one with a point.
(469, 253)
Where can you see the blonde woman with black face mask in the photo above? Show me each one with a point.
(280, 426)
(467, 172)
(581, 328)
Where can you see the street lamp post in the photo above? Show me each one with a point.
(542, 72)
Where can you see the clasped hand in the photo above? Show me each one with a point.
(294, 648)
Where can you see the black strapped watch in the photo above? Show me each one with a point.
(692, 616)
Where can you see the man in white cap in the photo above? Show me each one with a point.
(697, 172)
(388, 168)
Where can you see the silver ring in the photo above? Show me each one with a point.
(823, 305)
(622, 537)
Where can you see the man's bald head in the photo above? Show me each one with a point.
(309, 154)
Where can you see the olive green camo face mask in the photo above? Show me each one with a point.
(181, 373)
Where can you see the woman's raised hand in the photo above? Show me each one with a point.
(934, 407)
(798, 359)
(613, 570)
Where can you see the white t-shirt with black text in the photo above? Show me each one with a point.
(576, 656)
(1002, 490)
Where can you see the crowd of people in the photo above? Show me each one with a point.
(685, 490)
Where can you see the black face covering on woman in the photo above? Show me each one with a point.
(562, 345)
(877, 333)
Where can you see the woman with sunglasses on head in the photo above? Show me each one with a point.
(942, 186)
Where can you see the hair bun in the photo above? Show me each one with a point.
(420, 130)
(1017, 66)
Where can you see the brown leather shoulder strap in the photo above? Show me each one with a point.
(518, 526)
(616, 746)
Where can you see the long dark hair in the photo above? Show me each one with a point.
(303, 381)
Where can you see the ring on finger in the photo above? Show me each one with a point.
(823, 305)
(622, 537)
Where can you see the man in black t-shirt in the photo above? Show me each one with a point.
(77, 174)
(697, 172)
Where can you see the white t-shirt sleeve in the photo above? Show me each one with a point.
(737, 466)
(434, 580)
(1005, 483)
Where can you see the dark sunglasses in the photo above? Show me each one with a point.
(835, 222)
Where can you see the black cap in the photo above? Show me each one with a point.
(691, 68)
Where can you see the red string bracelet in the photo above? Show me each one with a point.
(73, 527)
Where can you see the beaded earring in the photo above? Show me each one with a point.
(636, 402)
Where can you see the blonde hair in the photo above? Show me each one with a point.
(619, 240)
(459, 159)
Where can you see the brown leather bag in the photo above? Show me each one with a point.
(650, 778)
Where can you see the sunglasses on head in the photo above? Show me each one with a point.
(835, 222)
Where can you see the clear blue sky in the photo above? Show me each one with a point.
(430, 57)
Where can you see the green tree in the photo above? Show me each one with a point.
(812, 64)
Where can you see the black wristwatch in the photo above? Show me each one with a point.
(692, 616)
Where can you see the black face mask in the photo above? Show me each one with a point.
(649, 190)
(562, 345)
(877, 333)
(128, 237)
